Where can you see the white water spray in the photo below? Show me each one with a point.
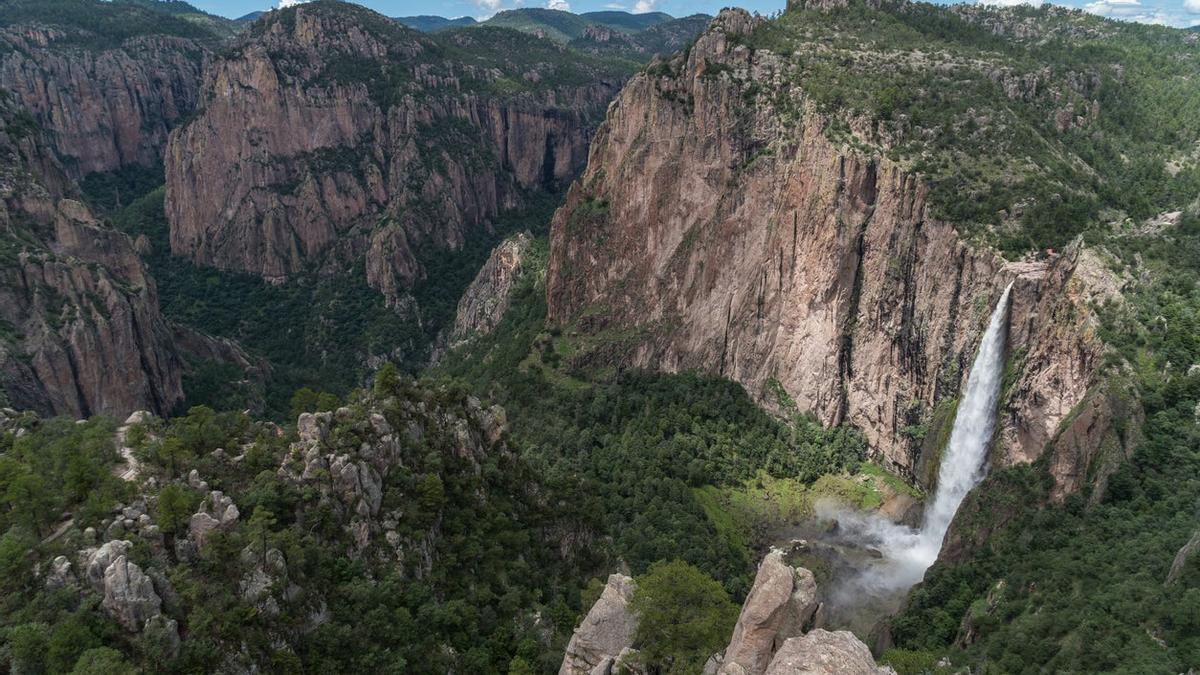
(963, 461)
(906, 553)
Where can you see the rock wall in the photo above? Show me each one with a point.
(483, 304)
(771, 636)
(80, 328)
(102, 109)
(606, 634)
(295, 161)
(717, 227)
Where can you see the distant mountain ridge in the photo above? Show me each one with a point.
(557, 25)
(431, 24)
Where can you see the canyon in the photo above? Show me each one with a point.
(104, 103)
(403, 150)
(443, 351)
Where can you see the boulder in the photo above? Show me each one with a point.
(606, 632)
(129, 595)
(95, 561)
(217, 511)
(60, 574)
(780, 605)
(822, 652)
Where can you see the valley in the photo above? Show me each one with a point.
(856, 338)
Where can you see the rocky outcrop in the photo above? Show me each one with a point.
(80, 328)
(822, 652)
(718, 227)
(1182, 556)
(347, 456)
(769, 637)
(217, 511)
(780, 605)
(404, 150)
(486, 299)
(129, 594)
(606, 633)
(102, 109)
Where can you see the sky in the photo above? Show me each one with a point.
(1168, 12)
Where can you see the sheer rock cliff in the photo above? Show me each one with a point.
(713, 230)
(102, 108)
(80, 327)
(330, 137)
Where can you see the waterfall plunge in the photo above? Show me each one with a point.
(963, 462)
(907, 553)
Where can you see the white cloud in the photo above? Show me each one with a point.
(643, 6)
(560, 5)
(1115, 8)
(1192, 6)
(284, 4)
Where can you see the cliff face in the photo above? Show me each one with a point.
(709, 233)
(485, 301)
(80, 329)
(331, 134)
(103, 109)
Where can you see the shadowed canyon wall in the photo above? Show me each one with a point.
(80, 328)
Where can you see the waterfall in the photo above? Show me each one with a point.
(906, 553)
(962, 464)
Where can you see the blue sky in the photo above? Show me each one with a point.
(1169, 12)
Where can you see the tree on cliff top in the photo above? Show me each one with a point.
(684, 616)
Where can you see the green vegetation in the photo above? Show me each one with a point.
(98, 25)
(467, 607)
(1081, 587)
(470, 57)
(315, 330)
(61, 471)
(112, 191)
(651, 452)
(684, 617)
(1028, 133)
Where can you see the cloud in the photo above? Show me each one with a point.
(1121, 8)
(560, 5)
(643, 6)
(284, 4)
(1134, 10)
(1192, 6)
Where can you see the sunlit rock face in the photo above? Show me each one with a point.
(295, 161)
(709, 234)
